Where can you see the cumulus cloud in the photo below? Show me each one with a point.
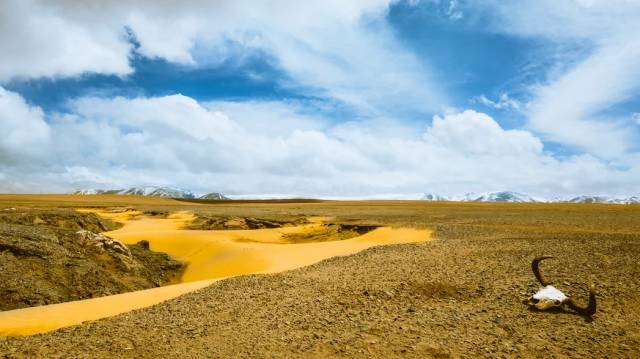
(476, 133)
(40, 41)
(175, 140)
(24, 131)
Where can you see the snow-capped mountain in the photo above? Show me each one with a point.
(604, 199)
(98, 191)
(628, 200)
(435, 197)
(516, 197)
(590, 199)
(154, 191)
(213, 195)
(503, 196)
(88, 191)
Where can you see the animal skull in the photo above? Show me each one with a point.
(550, 297)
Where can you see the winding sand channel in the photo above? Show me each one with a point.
(210, 255)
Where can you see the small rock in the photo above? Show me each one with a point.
(144, 244)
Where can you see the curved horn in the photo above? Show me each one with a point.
(590, 309)
(536, 270)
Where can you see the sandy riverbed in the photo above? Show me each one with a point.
(210, 255)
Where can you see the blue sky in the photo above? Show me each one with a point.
(331, 99)
(470, 62)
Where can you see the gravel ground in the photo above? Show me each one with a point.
(457, 296)
(443, 299)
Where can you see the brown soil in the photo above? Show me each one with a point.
(58, 218)
(204, 222)
(458, 296)
(44, 260)
(329, 232)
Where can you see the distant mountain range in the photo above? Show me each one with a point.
(502, 196)
(515, 197)
(153, 191)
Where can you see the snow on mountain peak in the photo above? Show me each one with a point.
(503, 196)
(214, 195)
(500, 196)
(154, 191)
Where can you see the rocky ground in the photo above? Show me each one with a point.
(207, 222)
(329, 232)
(57, 255)
(457, 296)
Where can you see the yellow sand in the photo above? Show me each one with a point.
(210, 255)
(42, 319)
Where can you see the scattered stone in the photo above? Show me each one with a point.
(103, 242)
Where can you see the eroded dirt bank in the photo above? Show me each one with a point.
(57, 255)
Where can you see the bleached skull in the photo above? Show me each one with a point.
(547, 297)
(550, 297)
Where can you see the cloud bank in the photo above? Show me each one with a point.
(174, 140)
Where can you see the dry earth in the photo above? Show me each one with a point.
(50, 255)
(458, 296)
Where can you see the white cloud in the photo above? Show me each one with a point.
(452, 12)
(570, 107)
(336, 49)
(503, 102)
(24, 131)
(179, 115)
(475, 133)
(274, 119)
(38, 41)
(174, 140)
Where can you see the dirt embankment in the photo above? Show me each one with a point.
(57, 255)
(323, 232)
(329, 232)
(205, 222)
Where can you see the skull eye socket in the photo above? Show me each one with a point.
(556, 302)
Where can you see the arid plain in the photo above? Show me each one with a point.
(450, 283)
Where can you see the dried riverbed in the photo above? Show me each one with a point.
(209, 255)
